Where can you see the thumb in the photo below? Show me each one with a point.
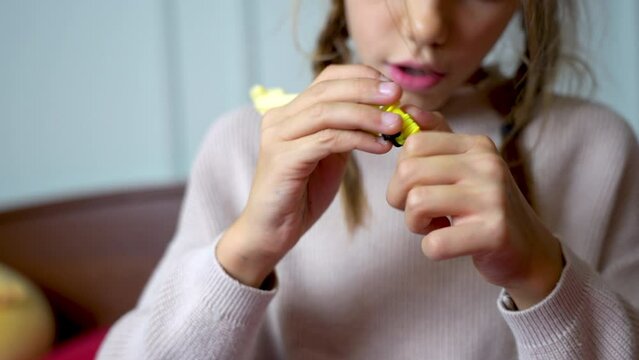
(428, 120)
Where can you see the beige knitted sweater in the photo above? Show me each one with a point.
(375, 295)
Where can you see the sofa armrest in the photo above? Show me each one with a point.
(92, 255)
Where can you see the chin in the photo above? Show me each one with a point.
(430, 101)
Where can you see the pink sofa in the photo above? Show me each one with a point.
(91, 256)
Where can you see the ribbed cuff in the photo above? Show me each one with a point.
(551, 320)
(233, 301)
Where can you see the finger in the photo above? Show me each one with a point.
(355, 90)
(428, 120)
(431, 143)
(424, 203)
(315, 147)
(433, 170)
(454, 241)
(342, 72)
(340, 115)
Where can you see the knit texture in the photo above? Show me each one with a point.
(374, 295)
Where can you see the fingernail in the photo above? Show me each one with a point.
(381, 140)
(390, 119)
(387, 88)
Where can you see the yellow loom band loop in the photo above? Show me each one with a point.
(266, 99)
(409, 126)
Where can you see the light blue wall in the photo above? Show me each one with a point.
(613, 52)
(82, 97)
(223, 49)
(96, 95)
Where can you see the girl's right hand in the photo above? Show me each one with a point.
(303, 153)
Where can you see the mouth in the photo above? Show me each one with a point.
(412, 71)
(414, 76)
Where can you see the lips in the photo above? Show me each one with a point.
(413, 76)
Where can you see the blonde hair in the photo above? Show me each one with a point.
(516, 98)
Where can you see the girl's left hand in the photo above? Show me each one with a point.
(440, 174)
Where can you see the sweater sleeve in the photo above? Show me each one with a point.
(191, 309)
(592, 312)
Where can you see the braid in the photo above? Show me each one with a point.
(331, 45)
(331, 49)
(518, 98)
(506, 99)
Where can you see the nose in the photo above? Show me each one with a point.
(425, 23)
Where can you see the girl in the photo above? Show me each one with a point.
(516, 197)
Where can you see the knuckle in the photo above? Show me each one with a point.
(268, 129)
(404, 171)
(415, 200)
(434, 246)
(492, 166)
(394, 195)
(484, 142)
(327, 138)
(317, 111)
(391, 199)
(415, 218)
(411, 146)
(318, 90)
(326, 73)
(331, 68)
(370, 71)
(269, 117)
(412, 224)
(270, 133)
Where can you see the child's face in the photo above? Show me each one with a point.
(428, 47)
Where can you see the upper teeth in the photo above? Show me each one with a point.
(413, 71)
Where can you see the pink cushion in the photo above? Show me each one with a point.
(83, 347)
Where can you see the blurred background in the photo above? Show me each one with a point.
(104, 95)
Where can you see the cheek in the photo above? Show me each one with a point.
(476, 41)
(479, 25)
(364, 42)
